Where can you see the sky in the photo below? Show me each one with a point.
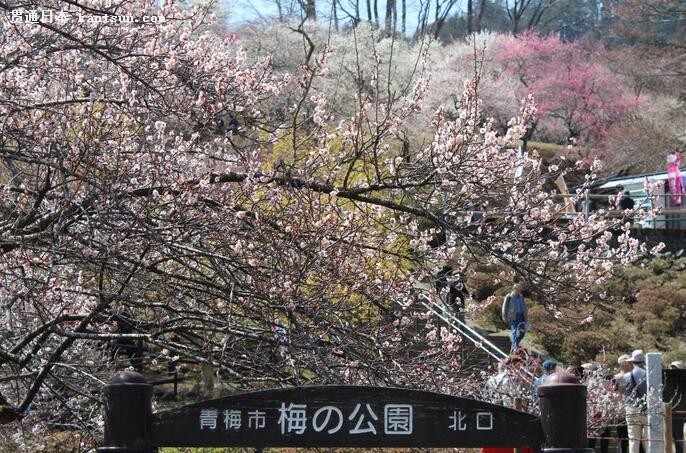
(241, 11)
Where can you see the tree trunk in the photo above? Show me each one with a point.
(376, 13)
(390, 17)
(280, 9)
(527, 135)
(335, 14)
(470, 14)
(208, 379)
(482, 8)
(404, 17)
(369, 10)
(442, 12)
(310, 10)
(536, 16)
(424, 16)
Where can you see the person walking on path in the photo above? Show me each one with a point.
(515, 315)
(456, 296)
(635, 401)
(614, 201)
(441, 282)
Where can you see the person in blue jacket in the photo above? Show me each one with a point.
(515, 315)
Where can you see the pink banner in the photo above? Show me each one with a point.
(676, 185)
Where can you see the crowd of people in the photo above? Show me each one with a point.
(617, 402)
(622, 406)
(630, 383)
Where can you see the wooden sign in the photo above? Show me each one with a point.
(344, 416)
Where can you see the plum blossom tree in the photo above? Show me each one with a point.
(461, 61)
(656, 126)
(518, 10)
(349, 69)
(572, 88)
(148, 180)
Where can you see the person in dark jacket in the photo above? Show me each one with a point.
(442, 279)
(636, 388)
(457, 291)
(626, 202)
(457, 296)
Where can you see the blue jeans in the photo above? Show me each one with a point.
(517, 334)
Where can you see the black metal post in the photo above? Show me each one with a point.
(128, 414)
(563, 414)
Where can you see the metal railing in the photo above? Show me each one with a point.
(465, 331)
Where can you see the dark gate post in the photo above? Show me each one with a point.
(563, 414)
(128, 414)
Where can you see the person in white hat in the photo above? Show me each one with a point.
(635, 407)
(625, 366)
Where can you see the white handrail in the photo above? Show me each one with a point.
(462, 328)
(479, 341)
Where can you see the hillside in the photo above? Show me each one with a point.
(644, 308)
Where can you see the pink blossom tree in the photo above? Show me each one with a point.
(148, 181)
(571, 86)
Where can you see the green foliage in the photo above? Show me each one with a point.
(644, 307)
(546, 331)
(482, 285)
(584, 346)
(647, 311)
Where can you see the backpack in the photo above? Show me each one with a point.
(637, 396)
(505, 310)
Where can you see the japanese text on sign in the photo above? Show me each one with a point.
(482, 421)
(293, 419)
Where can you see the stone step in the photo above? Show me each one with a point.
(475, 358)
